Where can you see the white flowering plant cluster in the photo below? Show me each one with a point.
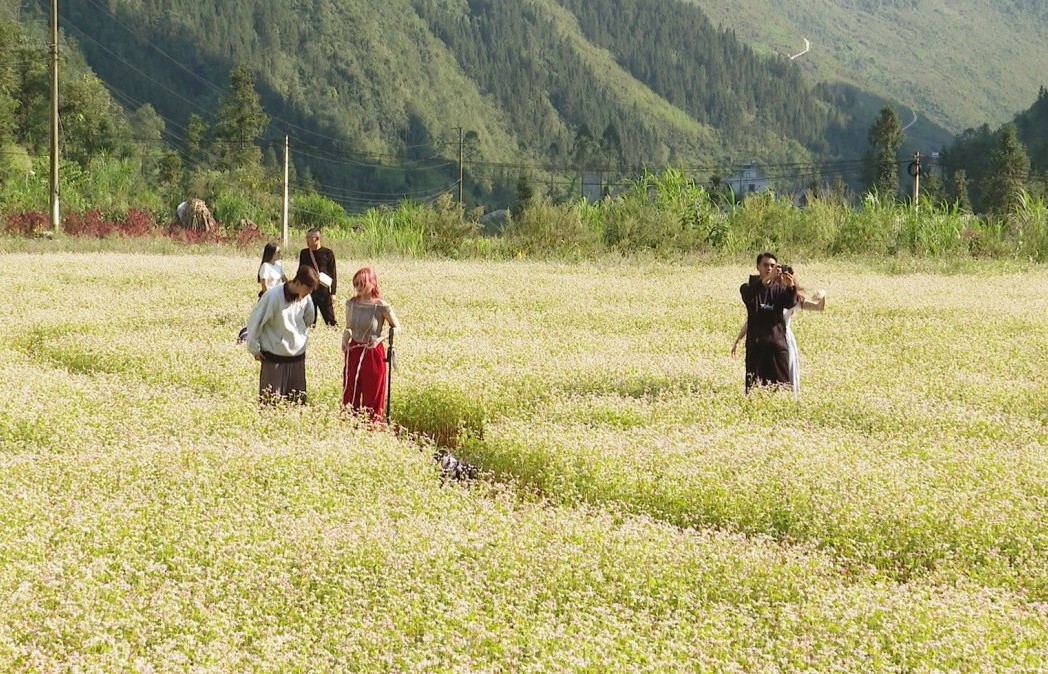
(636, 511)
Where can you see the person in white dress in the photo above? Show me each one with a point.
(818, 303)
(271, 271)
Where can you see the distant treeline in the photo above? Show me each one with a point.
(133, 143)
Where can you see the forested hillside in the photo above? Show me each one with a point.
(959, 63)
(375, 95)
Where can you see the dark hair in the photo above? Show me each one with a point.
(760, 258)
(307, 276)
(267, 256)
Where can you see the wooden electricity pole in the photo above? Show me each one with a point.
(916, 172)
(55, 217)
(460, 167)
(287, 190)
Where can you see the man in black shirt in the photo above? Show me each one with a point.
(765, 295)
(323, 261)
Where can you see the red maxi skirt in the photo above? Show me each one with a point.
(364, 380)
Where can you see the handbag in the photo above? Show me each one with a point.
(325, 280)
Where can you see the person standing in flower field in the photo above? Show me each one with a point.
(766, 296)
(277, 337)
(817, 304)
(364, 369)
(271, 271)
(322, 260)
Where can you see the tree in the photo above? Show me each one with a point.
(147, 128)
(193, 147)
(958, 191)
(882, 167)
(92, 124)
(586, 150)
(611, 145)
(525, 193)
(239, 123)
(1008, 171)
(9, 81)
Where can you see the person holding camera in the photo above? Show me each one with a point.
(767, 295)
(818, 303)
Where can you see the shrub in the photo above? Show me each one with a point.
(138, 223)
(26, 224)
(385, 230)
(872, 229)
(88, 223)
(664, 213)
(548, 229)
(1027, 223)
(444, 229)
(934, 230)
(315, 210)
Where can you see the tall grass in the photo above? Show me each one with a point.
(663, 215)
(1028, 224)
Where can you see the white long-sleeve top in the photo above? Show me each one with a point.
(278, 326)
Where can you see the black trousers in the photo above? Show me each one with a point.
(322, 301)
(767, 367)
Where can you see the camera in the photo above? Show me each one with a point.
(786, 269)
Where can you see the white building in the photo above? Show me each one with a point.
(748, 182)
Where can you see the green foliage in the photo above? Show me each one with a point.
(525, 194)
(1007, 172)
(882, 165)
(1028, 225)
(548, 229)
(232, 207)
(872, 228)
(316, 210)
(957, 191)
(765, 222)
(664, 213)
(388, 231)
(239, 123)
(193, 145)
(444, 227)
(934, 231)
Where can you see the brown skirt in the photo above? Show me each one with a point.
(282, 379)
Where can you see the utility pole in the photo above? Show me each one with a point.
(287, 190)
(460, 166)
(56, 221)
(915, 171)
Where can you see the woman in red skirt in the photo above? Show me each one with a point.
(364, 371)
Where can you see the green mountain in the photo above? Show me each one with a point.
(379, 99)
(958, 63)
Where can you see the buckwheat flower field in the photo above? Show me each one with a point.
(636, 512)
